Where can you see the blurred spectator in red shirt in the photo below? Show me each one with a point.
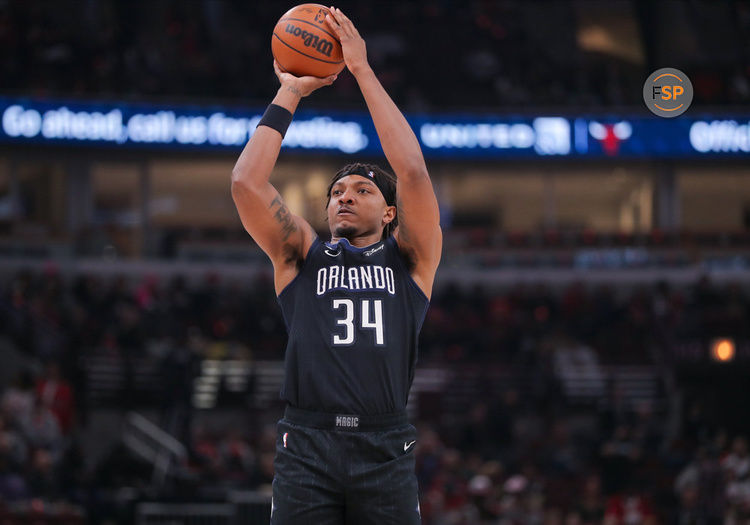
(629, 508)
(56, 394)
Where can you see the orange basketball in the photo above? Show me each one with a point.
(304, 44)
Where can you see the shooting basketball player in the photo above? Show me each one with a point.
(353, 307)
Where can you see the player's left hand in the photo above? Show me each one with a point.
(301, 86)
(352, 44)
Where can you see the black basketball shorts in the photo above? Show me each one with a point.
(336, 469)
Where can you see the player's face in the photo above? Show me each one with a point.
(357, 208)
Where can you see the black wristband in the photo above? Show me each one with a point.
(277, 118)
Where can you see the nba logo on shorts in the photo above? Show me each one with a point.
(284, 438)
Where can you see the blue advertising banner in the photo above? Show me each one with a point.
(76, 123)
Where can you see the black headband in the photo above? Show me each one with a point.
(384, 185)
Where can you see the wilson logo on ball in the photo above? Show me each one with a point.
(321, 45)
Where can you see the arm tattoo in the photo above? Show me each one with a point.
(283, 217)
(294, 90)
(402, 227)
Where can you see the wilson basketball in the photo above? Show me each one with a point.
(304, 44)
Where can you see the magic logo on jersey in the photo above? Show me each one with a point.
(356, 279)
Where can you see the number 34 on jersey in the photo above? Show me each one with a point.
(367, 313)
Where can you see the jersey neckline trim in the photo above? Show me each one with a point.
(345, 244)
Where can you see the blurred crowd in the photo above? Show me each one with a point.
(41, 466)
(507, 459)
(430, 55)
(504, 463)
(561, 471)
(620, 325)
(64, 320)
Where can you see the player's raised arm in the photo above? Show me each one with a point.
(418, 232)
(284, 236)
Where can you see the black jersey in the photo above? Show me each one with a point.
(353, 316)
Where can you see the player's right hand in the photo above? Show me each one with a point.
(302, 86)
(352, 44)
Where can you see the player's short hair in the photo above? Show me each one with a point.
(385, 181)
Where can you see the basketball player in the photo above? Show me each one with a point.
(353, 307)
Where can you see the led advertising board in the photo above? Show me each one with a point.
(466, 136)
